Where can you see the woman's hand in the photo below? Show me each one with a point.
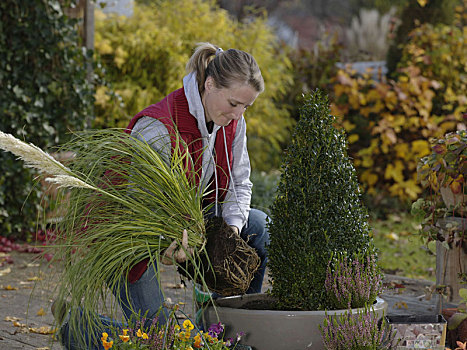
(172, 254)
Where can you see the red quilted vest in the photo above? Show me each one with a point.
(173, 111)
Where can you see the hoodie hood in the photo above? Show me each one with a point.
(190, 86)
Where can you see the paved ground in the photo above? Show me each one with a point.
(25, 288)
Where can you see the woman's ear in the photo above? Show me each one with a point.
(209, 84)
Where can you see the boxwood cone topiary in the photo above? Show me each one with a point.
(317, 210)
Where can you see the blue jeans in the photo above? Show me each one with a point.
(256, 234)
(145, 295)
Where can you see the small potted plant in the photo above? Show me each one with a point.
(441, 208)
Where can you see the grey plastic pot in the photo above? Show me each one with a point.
(271, 329)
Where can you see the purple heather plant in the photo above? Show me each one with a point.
(359, 331)
(353, 283)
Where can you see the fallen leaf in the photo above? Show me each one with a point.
(5, 271)
(400, 305)
(43, 330)
(41, 312)
(17, 324)
(35, 278)
(12, 318)
(44, 348)
(175, 285)
(9, 287)
(392, 236)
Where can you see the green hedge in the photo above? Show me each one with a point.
(44, 95)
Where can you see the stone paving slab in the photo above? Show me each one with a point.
(26, 289)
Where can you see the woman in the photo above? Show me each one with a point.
(208, 114)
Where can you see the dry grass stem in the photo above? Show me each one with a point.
(32, 155)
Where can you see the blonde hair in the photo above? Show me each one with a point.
(225, 67)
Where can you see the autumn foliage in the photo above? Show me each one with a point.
(390, 121)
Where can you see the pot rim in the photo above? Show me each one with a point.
(241, 299)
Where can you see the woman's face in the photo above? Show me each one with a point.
(226, 104)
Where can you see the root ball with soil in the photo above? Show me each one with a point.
(227, 265)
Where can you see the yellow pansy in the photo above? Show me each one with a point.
(125, 337)
(107, 344)
(188, 325)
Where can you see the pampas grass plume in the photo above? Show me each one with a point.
(32, 155)
(69, 181)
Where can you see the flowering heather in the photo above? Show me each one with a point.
(358, 331)
(353, 283)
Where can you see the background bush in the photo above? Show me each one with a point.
(414, 14)
(44, 95)
(264, 189)
(389, 122)
(145, 56)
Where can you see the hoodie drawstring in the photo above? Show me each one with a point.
(217, 187)
(230, 176)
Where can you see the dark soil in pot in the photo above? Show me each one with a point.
(227, 264)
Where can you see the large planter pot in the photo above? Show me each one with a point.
(272, 329)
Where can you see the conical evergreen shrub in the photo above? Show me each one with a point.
(317, 210)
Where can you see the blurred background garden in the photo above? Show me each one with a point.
(395, 73)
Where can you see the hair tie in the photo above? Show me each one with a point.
(218, 51)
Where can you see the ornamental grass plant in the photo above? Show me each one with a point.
(125, 203)
(317, 210)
